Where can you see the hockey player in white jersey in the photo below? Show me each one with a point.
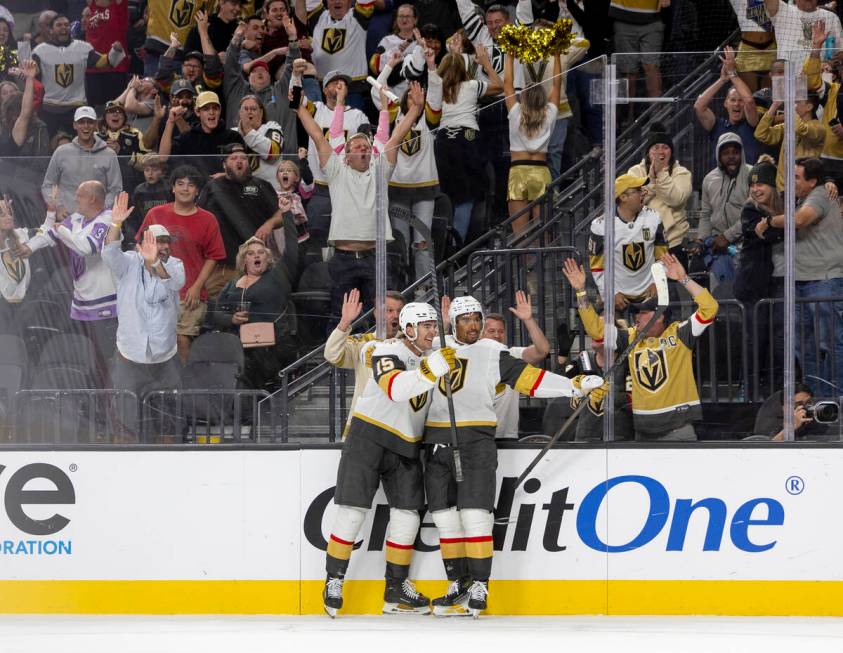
(463, 512)
(383, 445)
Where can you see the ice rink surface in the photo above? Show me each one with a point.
(185, 634)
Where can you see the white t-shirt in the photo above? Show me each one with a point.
(463, 112)
(353, 200)
(793, 32)
(507, 406)
(520, 142)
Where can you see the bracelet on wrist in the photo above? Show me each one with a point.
(117, 225)
(581, 293)
(685, 281)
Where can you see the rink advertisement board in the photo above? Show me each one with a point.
(620, 531)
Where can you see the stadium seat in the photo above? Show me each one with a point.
(38, 321)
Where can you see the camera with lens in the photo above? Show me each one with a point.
(823, 412)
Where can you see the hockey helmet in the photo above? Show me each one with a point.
(464, 306)
(414, 313)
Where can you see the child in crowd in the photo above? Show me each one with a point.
(154, 191)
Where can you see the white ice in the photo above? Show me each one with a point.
(227, 634)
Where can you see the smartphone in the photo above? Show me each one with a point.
(295, 102)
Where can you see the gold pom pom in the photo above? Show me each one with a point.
(529, 46)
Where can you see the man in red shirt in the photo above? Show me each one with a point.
(196, 240)
(106, 21)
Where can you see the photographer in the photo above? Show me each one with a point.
(770, 416)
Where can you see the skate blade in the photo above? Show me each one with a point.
(331, 612)
(400, 608)
(451, 611)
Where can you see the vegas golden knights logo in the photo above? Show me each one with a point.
(457, 377)
(411, 143)
(650, 368)
(181, 12)
(333, 40)
(15, 267)
(64, 74)
(633, 256)
(418, 402)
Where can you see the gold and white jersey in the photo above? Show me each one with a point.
(380, 416)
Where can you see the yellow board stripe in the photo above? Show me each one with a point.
(529, 597)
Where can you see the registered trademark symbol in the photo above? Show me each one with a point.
(794, 485)
(73, 467)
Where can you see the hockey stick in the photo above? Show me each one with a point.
(425, 232)
(660, 279)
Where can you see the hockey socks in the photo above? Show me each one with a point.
(478, 542)
(400, 538)
(346, 526)
(451, 543)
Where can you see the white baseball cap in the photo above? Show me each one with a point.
(84, 112)
(159, 231)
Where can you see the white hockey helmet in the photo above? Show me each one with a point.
(414, 313)
(464, 306)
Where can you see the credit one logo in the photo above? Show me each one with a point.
(16, 498)
(659, 512)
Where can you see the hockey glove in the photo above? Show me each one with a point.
(585, 383)
(450, 356)
(434, 366)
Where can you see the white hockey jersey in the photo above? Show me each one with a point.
(396, 424)
(638, 244)
(15, 271)
(341, 44)
(481, 367)
(264, 145)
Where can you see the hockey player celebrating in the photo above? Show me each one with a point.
(463, 512)
(383, 445)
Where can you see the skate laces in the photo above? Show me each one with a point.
(454, 587)
(478, 591)
(333, 588)
(410, 589)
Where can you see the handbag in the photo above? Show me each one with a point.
(258, 334)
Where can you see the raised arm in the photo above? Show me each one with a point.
(540, 346)
(701, 107)
(416, 100)
(323, 148)
(21, 126)
(509, 83)
(556, 87)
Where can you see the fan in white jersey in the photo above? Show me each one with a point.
(463, 511)
(639, 242)
(383, 446)
(264, 140)
(415, 181)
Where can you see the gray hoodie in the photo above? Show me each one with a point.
(723, 196)
(71, 164)
(274, 96)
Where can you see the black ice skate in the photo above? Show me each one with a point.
(477, 594)
(402, 597)
(332, 595)
(453, 604)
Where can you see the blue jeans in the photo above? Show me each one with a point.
(819, 335)
(555, 147)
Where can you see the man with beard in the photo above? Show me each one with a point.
(353, 352)
(205, 139)
(182, 99)
(197, 242)
(741, 114)
(148, 284)
(62, 64)
(462, 511)
(204, 71)
(244, 205)
(724, 192)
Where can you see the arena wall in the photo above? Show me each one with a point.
(594, 531)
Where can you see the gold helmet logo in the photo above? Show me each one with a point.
(181, 12)
(650, 368)
(333, 40)
(64, 74)
(633, 256)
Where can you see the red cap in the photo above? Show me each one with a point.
(260, 64)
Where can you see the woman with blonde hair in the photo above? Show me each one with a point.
(261, 294)
(461, 176)
(531, 123)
